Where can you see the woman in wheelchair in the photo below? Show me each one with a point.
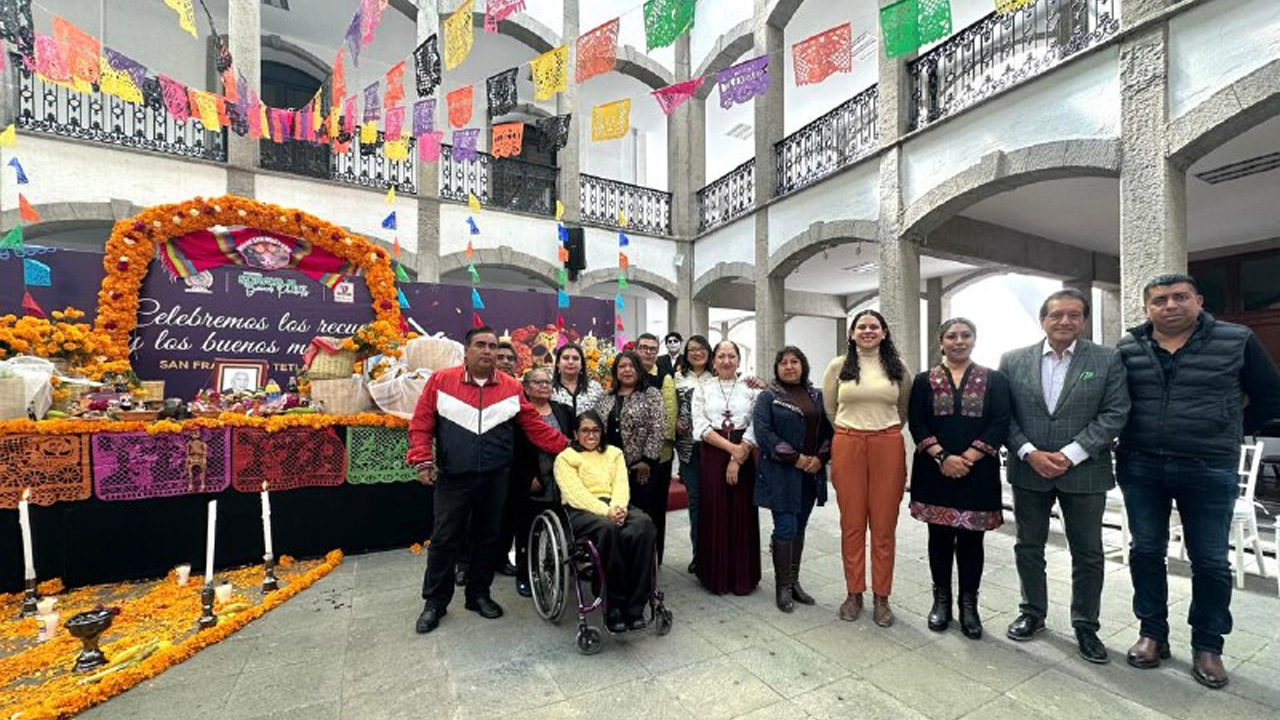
(592, 478)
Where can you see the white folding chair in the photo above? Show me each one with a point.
(1244, 517)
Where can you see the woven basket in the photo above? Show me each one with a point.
(332, 366)
(342, 396)
(13, 398)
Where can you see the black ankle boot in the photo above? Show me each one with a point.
(782, 576)
(797, 592)
(970, 623)
(940, 614)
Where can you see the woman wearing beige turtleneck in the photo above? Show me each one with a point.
(865, 393)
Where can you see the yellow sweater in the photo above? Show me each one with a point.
(586, 477)
(874, 403)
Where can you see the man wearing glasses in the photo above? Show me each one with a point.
(1070, 401)
(653, 497)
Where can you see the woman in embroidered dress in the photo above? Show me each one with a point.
(692, 368)
(570, 384)
(795, 445)
(635, 420)
(959, 414)
(728, 549)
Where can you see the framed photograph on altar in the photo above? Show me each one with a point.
(239, 376)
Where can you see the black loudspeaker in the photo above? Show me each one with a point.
(576, 244)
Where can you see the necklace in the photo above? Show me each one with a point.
(727, 424)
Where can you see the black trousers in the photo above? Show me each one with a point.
(965, 547)
(627, 554)
(468, 520)
(651, 497)
(1082, 516)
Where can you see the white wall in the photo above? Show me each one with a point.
(1080, 101)
(360, 210)
(807, 102)
(646, 253)
(533, 236)
(1216, 44)
(1006, 309)
(816, 338)
(712, 19)
(734, 242)
(854, 195)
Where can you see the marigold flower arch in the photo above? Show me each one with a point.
(133, 244)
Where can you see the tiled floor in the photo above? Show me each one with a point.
(346, 649)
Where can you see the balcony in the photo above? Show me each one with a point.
(728, 198)
(361, 165)
(54, 109)
(1001, 51)
(644, 209)
(501, 183)
(837, 139)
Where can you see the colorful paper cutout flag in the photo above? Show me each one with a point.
(475, 319)
(562, 254)
(673, 96)
(401, 274)
(550, 73)
(389, 223)
(476, 302)
(475, 274)
(338, 80)
(176, 100)
(473, 202)
(396, 150)
(404, 301)
(501, 92)
(370, 16)
(17, 168)
(666, 20)
(1004, 7)
(391, 195)
(498, 10)
(622, 219)
(623, 240)
(9, 136)
(26, 210)
(205, 107)
(907, 25)
(624, 262)
(351, 38)
(470, 251)
(559, 206)
(619, 302)
(562, 277)
(426, 66)
(617, 323)
(553, 132)
(597, 52)
(12, 239)
(369, 133)
(393, 123)
(507, 140)
(459, 31)
(186, 15)
(459, 102)
(471, 223)
(429, 146)
(372, 102)
(30, 306)
(743, 82)
(424, 116)
(562, 299)
(611, 121)
(622, 281)
(80, 50)
(564, 234)
(464, 144)
(395, 86)
(36, 273)
(395, 246)
(819, 57)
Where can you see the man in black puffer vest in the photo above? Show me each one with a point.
(1198, 385)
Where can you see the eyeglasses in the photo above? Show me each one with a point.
(1060, 316)
(539, 383)
(589, 431)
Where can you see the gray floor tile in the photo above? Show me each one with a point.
(928, 686)
(854, 698)
(719, 689)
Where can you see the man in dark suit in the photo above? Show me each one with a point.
(1070, 401)
(667, 361)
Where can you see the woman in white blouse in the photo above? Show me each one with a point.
(728, 548)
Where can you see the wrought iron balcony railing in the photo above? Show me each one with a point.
(1000, 51)
(645, 209)
(729, 197)
(56, 109)
(835, 140)
(361, 165)
(504, 183)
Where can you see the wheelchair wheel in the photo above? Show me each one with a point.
(662, 621)
(548, 566)
(589, 640)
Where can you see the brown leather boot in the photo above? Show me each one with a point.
(851, 608)
(1147, 653)
(782, 576)
(1207, 669)
(880, 612)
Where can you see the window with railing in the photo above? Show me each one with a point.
(837, 139)
(362, 165)
(57, 109)
(729, 197)
(643, 209)
(1000, 51)
(504, 183)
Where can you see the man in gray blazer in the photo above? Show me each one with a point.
(1070, 401)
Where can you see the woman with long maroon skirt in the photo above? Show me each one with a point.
(728, 549)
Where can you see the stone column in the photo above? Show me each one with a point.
(244, 31)
(428, 180)
(935, 307)
(842, 341)
(892, 94)
(568, 181)
(1085, 286)
(680, 310)
(701, 323)
(769, 301)
(686, 174)
(1153, 190)
(899, 266)
(1109, 316)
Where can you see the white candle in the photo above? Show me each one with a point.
(24, 519)
(208, 543)
(266, 521)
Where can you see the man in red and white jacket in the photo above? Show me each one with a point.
(463, 427)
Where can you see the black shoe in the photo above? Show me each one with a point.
(1025, 627)
(940, 614)
(638, 622)
(614, 621)
(693, 567)
(485, 607)
(970, 621)
(523, 589)
(508, 569)
(460, 575)
(1091, 648)
(429, 619)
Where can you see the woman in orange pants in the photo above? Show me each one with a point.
(865, 392)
